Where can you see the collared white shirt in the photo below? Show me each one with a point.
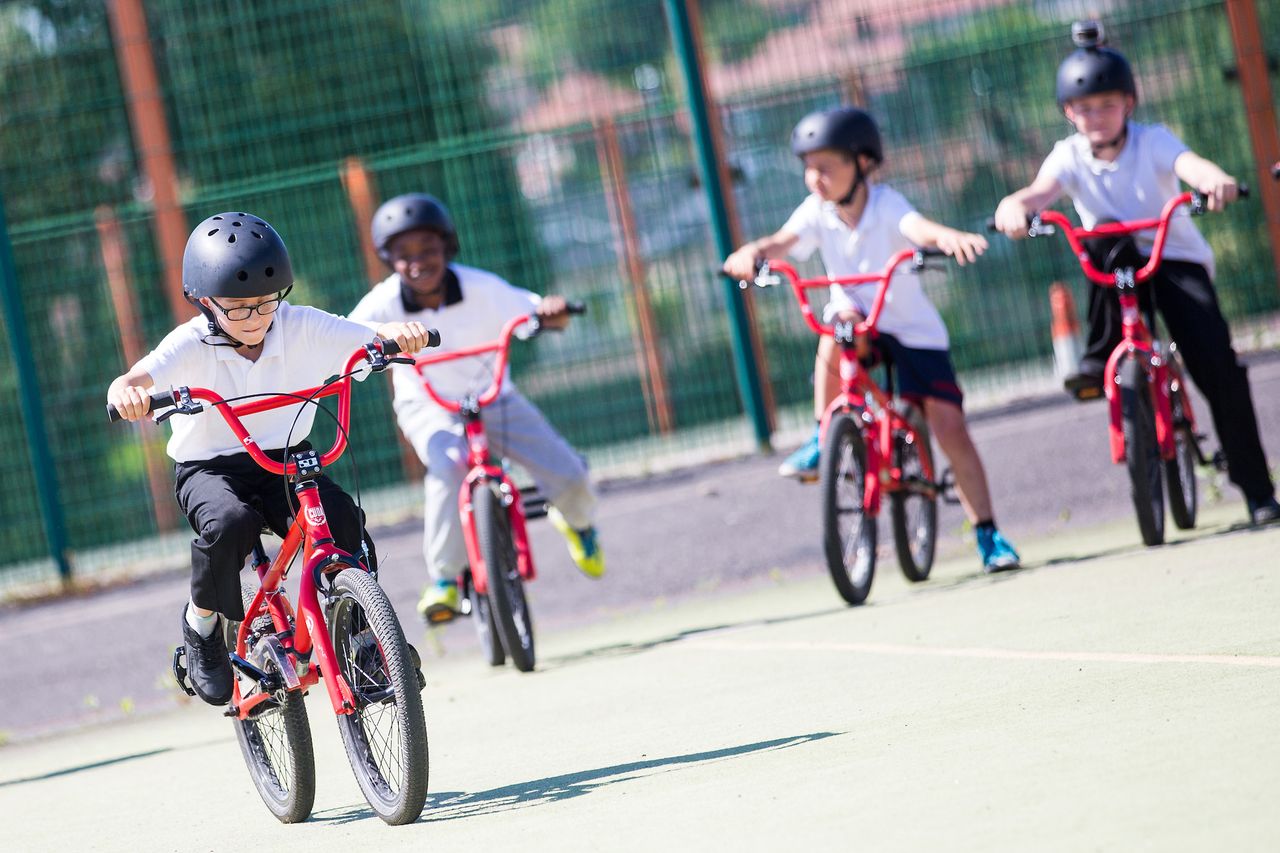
(476, 314)
(1135, 185)
(908, 314)
(304, 347)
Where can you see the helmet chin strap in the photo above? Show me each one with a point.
(216, 331)
(858, 179)
(1099, 147)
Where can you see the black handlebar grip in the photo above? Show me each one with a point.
(433, 338)
(932, 253)
(575, 307)
(1242, 190)
(991, 224)
(159, 400)
(390, 347)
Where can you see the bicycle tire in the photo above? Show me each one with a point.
(507, 601)
(486, 628)
(914, 511)
(276, 742)
(1180, 471)
(375, 661)
(1142, 454)
(848, 543)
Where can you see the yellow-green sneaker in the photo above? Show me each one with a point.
(583, 546)
(439, 602)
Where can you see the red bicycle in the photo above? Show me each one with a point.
(372, 675)
(873, 444)
(500, 561)
(1152, 425)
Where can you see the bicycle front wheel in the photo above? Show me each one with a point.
(276, 740)
(848, 530)
(1180, 471)
(914, 509)
(1142, 454)
(510, 609)
(385, 735)
(486, 629)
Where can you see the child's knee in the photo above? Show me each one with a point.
(236, 524)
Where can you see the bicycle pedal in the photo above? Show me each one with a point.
(180, 671)
(1219, 460)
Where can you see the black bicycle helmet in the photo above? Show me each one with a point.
(408, 212)
(847, 129)
(1092, 68)
(235, 256)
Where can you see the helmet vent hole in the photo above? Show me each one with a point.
(231, 239)
(244, 215)
(236, 224)
(256, 234)
(270, 271)
(242, 275)
(219, 218)
(260, 223)
(211, 233)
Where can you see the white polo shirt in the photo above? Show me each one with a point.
(908, 314)
(1135, 185)
(304, 347)
(472, 313)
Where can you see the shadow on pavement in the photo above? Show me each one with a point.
(454, 805)
(80, 768)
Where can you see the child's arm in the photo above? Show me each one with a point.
(1207, 177)
(961, 245)
(128, 393)
(742, 263)
(1011, 215)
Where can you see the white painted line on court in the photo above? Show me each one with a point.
(981, 653)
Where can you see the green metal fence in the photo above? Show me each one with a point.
(535, 120)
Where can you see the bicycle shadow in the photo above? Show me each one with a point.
(459, 805)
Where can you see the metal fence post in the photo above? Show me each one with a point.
(33, 420)
(748, 376)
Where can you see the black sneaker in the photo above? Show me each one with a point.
(1264, 512)
(208, 665)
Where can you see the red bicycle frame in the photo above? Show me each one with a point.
(310, 533)
(482, 467)
(856, 384)
(1165, 380)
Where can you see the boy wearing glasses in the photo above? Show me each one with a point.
(247, 341)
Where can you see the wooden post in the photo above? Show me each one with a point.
(358, 182)
(151, 143)
(657, 397)
(1251, 62)
(115, 261)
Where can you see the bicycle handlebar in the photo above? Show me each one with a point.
(501, 345)
(183, 400)
(765, 278)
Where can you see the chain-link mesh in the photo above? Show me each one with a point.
(558, 133)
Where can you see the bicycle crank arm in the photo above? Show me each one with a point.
(267, 682)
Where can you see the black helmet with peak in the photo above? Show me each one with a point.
(847, 129)
(409, 212)
(1093, 68)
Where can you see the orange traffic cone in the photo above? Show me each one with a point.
(1065, 328)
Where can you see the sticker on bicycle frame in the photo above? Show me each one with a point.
(315, 515)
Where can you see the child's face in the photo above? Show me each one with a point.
(251, 330)
(829, 174)
(419, 258)
(1099, 117)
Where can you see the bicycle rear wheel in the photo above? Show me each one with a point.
(276, 740)
(848, 531)
(1142, 454)
(1180, 471)
(509, 607)
(385, 735)
(914, 510)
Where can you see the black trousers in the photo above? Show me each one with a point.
(228, 500)
(1183, 295)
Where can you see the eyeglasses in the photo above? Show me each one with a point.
(244, 312)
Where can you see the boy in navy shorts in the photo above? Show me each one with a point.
(248, 340)
(1116, 169)
(857, 225)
